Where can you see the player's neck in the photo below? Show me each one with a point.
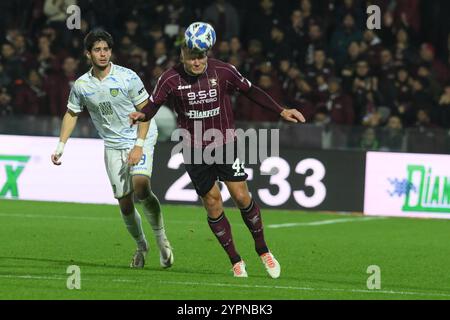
(195, 75)
(99, 73)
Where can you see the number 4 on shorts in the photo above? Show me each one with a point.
(237, 166)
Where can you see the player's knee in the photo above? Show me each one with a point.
(126, 205)
(212, 202)
(126, 209)
(142, 188)
(242, 199)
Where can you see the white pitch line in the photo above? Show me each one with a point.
(321, 222)
(187, 222)
(48, 216)
(190, 283)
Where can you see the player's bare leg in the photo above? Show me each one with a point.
(220, 226)
(152, 211)
(252, 217)
(133, 223)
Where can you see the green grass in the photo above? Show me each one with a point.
(40, 240)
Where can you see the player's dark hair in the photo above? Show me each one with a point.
(97, 35)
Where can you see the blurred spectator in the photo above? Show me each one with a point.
(223, 50)
(339, 106)
(154, 34)
(423, 72)
(423, 119)
(224, 18)
(5, 79)
(404, 52)
(365, 91)
(22, 52)
(260, 22)
(386, 75)
(76, 45)
(353, 8)
(159, 55)
(315, 40)
(278, 48)
(371, 46)
(302, 99)
(246, 110)
(392, 137)
(309, 17)
(387, 31)
(236, 47)
(403, 94)
(407, 11)
(12, 65)
(55, 11)
(320, 70)
(30, 97)
(421, 97)
(236, 61)
(428, 58)
(369, 140)
(321, 117)
(138, 62)
(296, 35)
(46, 58)
(342, 37)
(444, 107)
(255, 57)
(173, 15)
(6, 107)
(349, 68)
(59, 85)
(133, 32)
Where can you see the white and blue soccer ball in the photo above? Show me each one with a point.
(200, 36)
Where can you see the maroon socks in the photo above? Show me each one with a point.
(222, 229)
(252, 218)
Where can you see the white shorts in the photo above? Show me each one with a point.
(120, 173)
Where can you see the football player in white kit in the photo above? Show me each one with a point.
(109, 93)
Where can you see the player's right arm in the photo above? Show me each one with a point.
(68, 123)
(159, 96)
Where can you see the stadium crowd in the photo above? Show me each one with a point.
(316, 55)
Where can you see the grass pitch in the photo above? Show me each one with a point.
(323, 256)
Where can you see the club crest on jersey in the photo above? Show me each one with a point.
(213, 82)
(114, 92)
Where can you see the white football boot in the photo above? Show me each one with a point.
(272, 265)
(165, 253)
(138, 260)
(239, 270)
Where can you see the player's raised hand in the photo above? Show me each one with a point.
(136, 116)
(135, 156)
(292, 115)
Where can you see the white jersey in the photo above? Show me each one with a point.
(109, 103)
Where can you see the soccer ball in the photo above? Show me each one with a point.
(200, 36)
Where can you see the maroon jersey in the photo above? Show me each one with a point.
(204, 98)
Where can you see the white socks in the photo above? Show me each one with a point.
(134, 225)
(152, 211)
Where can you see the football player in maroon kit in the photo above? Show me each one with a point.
(199, 89)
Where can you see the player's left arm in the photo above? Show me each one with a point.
(135, 154)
